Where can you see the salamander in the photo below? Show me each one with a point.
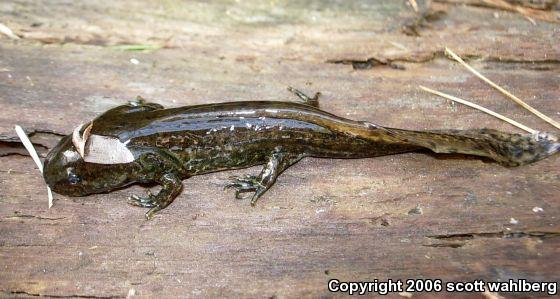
(143, 142)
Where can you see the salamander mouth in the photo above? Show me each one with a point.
(68, 189)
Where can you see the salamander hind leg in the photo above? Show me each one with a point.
(243, 184)
(314, 101)
(149, 201)
(277, 163)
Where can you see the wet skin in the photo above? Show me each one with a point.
(170, 145)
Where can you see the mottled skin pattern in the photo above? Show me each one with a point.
(170, 145)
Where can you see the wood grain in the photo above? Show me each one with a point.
(415, 215)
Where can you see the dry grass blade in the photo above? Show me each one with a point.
(414, 5)
(515, 8)
(33, 153)
(29, 147)
(529, 13)
(500, 89)
(545, 13)
(478, 107)
(7, 31)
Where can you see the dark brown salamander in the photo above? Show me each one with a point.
(145, 143)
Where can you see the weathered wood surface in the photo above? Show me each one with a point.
(408, 216)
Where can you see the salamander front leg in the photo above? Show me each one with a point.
(277, 163)
(171, 187)
(140, 104)
(134, 106)
(314, 101)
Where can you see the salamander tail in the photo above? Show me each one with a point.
(505, 148)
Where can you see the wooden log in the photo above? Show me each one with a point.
(415, 215)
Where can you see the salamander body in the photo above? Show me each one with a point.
(144, 143)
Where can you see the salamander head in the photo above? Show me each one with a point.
(66, 172)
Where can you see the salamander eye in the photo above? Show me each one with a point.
(74, 179)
